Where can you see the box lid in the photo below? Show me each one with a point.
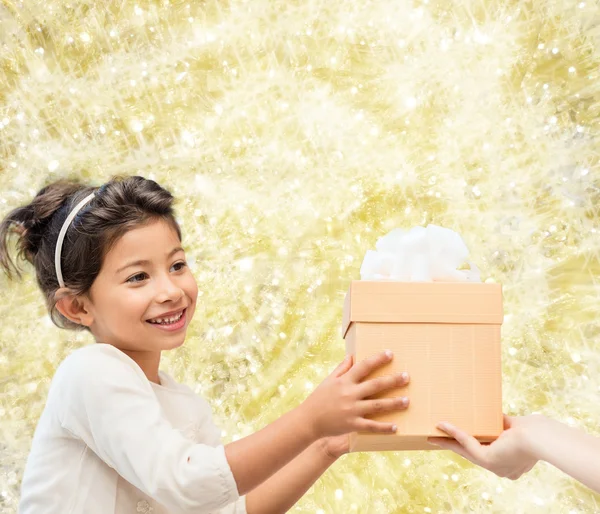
(422, 302)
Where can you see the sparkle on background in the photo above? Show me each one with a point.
(294, 134)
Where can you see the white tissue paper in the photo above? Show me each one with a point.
(419, 255)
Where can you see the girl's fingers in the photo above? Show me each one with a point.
(367, 407)
(367, 366)
(380, 384)
(343, 367)
(376, 427)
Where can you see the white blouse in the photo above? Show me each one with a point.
(110, 441)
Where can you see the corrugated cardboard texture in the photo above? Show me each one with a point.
(422, 302)
(455, 366)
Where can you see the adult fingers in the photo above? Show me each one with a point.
(452, 445)
(507, 421)
(469, 443)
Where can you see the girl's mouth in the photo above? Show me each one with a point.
(169, 323)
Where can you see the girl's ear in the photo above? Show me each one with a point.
(74, 308)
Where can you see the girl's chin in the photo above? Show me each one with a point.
(171, 345)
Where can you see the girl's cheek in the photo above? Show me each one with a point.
(193, 288)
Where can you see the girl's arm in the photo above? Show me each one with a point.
(280, 492)
(334, 408)
(526, 440)
(104, 400)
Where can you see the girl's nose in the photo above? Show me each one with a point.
(169, 292)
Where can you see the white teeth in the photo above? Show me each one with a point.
(170, 319)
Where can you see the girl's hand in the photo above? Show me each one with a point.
(340, 404)
(336, 446)
(510, 456)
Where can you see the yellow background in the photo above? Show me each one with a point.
(295, 134)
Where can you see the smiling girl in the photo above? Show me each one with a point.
(117, 434)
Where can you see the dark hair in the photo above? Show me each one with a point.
(120, 205)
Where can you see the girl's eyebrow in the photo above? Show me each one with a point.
(144, 262)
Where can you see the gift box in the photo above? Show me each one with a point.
(446, 335)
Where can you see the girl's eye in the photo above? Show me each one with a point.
(137, 278)
(179, 265)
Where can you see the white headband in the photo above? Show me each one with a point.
(61, 237)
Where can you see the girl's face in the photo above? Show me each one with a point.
(145, 295)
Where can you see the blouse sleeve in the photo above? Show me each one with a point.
(239, 507)
(108, 403)
(212, 436)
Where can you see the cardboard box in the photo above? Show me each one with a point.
(446, 335)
